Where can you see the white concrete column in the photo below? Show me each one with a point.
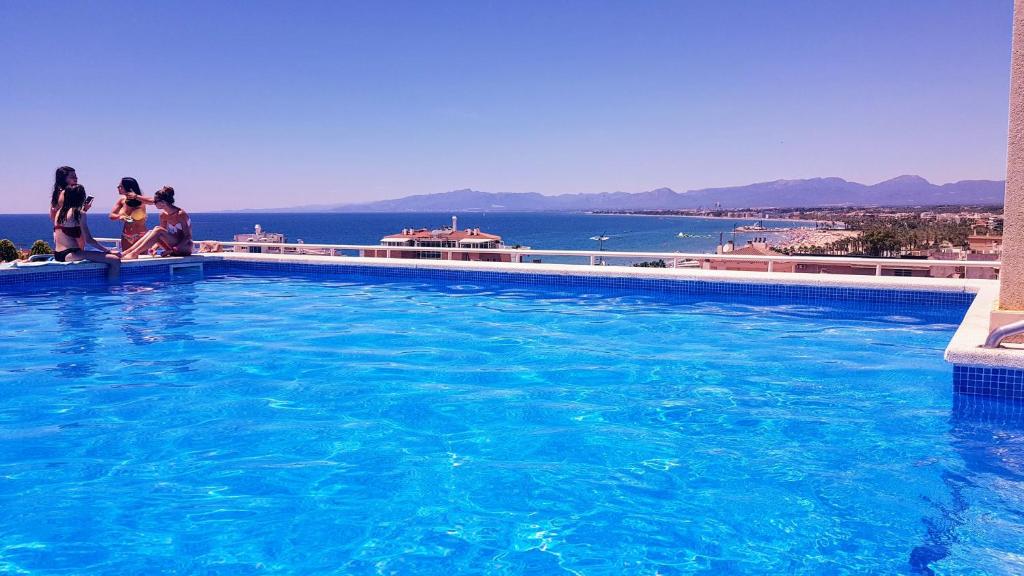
(1011, 277)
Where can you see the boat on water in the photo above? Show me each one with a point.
(757, 227)
(760, 227)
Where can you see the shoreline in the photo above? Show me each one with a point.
(706, 217)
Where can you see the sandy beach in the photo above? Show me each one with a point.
(812, 237)
(752, 220)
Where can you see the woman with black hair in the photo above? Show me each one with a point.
(130, 209)
(174, 232)
(71, 233)
(63, 177)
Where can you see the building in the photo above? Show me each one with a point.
(260, 236)
(983, 273)
(480, 245)
(758, 247)
(984, 244)
(868, 268)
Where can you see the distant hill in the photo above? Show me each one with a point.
(805, 193)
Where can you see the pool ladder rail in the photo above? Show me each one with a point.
(1002, 333)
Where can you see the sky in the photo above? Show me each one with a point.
(270, 104)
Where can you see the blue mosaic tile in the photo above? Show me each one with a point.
(55, 276)
(895, 299)
(810, 294)
(987, 410)
(968, 380)
(1004, 383)
(71, 275)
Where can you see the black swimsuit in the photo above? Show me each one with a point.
(70, 232)
(62, 255)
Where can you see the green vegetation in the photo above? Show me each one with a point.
(40, 247)
(651, 264)
(7, 251)
(892, 237)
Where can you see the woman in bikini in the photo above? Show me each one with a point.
(65, 176)
(174, 232)
(71, 233)
(131, 210)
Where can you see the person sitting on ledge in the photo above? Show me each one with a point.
(71, 234)
(130, 209)
(174, 232)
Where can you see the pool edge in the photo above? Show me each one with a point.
(976, 371)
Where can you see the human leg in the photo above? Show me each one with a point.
(111, 260)
(151, 238)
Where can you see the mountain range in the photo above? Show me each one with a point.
(803, 193)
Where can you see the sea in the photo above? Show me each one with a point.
(540, 230)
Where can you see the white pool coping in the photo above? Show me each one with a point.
(778, 278)
(964, 348)
(23, 269)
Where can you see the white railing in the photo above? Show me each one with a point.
(115, 243)
(595, 257)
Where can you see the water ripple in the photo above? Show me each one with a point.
(269, 425)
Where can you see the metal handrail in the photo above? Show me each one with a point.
(1002, 333)
(594, 255)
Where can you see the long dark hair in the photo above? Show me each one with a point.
(131, 185)
(74, 200)
(165, 195)
(60, 180)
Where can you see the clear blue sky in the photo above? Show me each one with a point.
(261, 104)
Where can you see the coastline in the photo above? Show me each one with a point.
(706, 217)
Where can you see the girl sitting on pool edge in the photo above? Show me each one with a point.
(130, 209)
(174, 232)
(71, 235)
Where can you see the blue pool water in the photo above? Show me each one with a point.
(267, 425)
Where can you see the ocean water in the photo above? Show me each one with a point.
(273, 425)
(537, 230)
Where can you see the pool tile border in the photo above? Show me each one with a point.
(976, 371)
(1005, 383)
(55, 274)
(987, 376)
(688, 284)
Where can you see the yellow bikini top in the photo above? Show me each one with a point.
(138, 214)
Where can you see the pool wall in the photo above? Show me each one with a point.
(577, 278)
(977, 372)
(54, 274)
(807, 287)
(986, 381)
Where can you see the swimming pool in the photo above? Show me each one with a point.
(278, 424)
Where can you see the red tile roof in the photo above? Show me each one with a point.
(445, 234)
(752, 250)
